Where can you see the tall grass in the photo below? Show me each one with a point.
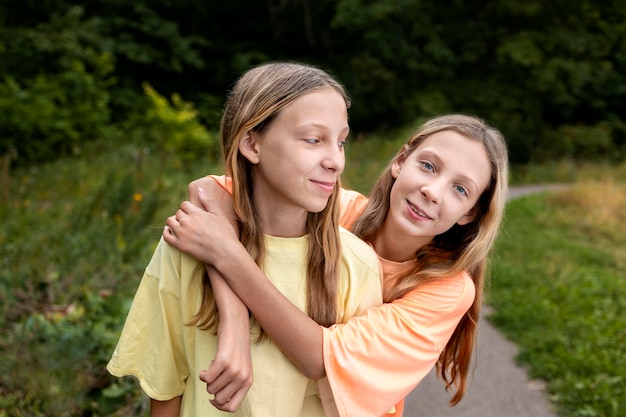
(76, 236)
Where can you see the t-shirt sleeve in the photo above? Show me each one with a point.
(373, 361)
(151, 345)
(351, 205)
(223, 181)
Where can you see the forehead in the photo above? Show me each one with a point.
(324, 104)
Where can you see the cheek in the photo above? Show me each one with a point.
(342, 164)
(394, 195)
(405, 183)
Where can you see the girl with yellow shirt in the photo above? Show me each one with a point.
(282, 134)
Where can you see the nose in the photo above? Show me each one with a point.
(334, 159)
(432, 192)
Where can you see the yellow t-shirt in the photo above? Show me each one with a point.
(374, 361)
(166, 355)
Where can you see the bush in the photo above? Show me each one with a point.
(173, 128)
(52, 115)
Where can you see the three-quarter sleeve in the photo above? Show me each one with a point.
(375, 360)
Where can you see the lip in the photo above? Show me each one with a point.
(326, 186)
(416, 212)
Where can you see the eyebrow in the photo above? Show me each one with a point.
(320, 126)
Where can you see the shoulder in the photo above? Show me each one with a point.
(354, 250)
(172, 268)
(351, 205)
(351, 197)
(450, 294)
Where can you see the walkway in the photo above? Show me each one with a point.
(498, 387)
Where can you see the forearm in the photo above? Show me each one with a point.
(229, 305)
(169, 408)
(296, 334)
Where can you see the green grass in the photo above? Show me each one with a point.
(559, 292)
(78, 232)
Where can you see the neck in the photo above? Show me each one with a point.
(282, 224)
(281, 220)
(388, 245)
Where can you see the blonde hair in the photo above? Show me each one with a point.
(255, 100)
(461, 248)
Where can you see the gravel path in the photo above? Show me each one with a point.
(498, 387)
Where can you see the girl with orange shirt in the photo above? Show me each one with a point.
(432, 217)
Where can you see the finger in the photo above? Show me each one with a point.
(233, 403)
(215, 378)
(237, 399)
(187, 207)
(223, 397)
(171, 221)
(212, 379)
(180, 215)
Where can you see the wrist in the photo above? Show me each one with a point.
(235, 313)
(230, 258)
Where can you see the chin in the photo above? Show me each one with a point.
(317, 208)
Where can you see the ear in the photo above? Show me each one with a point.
(249, 147)
(468, 217)
(397, 162)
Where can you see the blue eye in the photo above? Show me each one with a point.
(312, 141)
(342, 144)
(461, 190)
(428, 166)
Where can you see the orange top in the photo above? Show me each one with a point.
(374, 361)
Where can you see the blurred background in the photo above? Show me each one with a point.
(108, 108)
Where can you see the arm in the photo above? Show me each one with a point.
(265, 302)
(169, 408)
(229, 376)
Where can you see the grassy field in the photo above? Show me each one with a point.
(78, 232)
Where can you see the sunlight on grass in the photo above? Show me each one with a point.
(598, 211)
(566, 171)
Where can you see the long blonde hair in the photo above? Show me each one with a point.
(461, 248)
(254, 102)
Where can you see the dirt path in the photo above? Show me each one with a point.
(522, 190)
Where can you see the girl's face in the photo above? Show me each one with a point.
(437, 186)
(299, 157)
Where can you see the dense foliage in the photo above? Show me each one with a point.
(551, 75)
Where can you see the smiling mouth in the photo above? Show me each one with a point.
(328, 186)
(419, 212)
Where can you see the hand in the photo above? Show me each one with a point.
(230, 375)
(204, 233)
